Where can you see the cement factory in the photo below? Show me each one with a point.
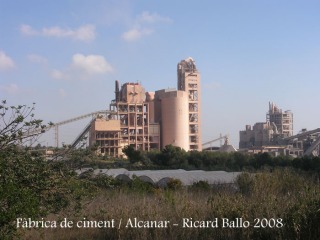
(275, 136)
(151, 120)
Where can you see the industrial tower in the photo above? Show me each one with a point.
(189, 81)
(152, 120)
(283, 120)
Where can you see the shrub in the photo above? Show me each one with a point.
(29, 187)
(174, 184)
(245, 183)
(106, 182)
(201, 185)
(138, 185)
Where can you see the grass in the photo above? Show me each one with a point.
(289, 202)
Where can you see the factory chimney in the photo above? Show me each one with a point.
(117, 92)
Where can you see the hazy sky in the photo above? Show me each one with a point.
(66, 55)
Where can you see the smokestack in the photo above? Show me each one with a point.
(117, 92)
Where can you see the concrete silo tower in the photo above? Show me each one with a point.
(189, 81)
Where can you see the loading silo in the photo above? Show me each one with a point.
(174, 118)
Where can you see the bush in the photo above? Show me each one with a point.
(106, 182)
(140, 186)
(29, 188)
(174, 184)
(245, 183)
(201, 185)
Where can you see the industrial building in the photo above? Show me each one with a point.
(152, 120)
(275, 136)
(282, 120)
(149, 120)
(278, 125)
(189, 82)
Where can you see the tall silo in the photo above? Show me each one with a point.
(174, 118)
(189, 81)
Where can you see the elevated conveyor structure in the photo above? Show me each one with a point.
(303, 134)
(312, 136)
(215, 140)
(82, 134)
(56, 126)
(313, 147)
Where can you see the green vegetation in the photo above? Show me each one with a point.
(176, 158)
(278, 196)
(172, 157)
(282, 204)
(29, 187)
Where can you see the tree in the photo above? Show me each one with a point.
(195, 159)
(29, 186)
(133, 155)
(18, 125)
(173, 156)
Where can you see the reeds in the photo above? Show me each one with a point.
(281, 204)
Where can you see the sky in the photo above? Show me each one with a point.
(65, 56)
